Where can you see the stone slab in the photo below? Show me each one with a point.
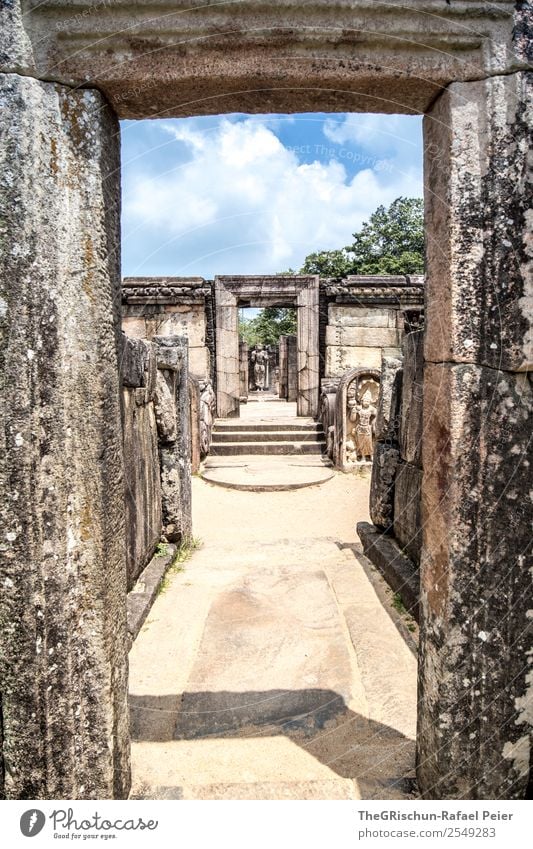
(341, 359)
(389, 401)
(384, 467)
(345, 315)
(412, 398)
(267, 681)
(363, 336)
(142, 484)
(404, 57)
(398, 570)
(407, 519)
(145, 590)
(267, 474)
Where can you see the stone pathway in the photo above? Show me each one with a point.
(273, 666)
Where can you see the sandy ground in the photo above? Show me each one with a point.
(274, 665)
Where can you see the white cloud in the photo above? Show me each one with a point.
(379, 134)
(236, 200)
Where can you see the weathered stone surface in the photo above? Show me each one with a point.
(412, 396)
(344, 57)
(339, 359)
(143, 594)
(389, 401)
(16, 52)
(292, 369)
(346, 315)
(143, 484)
(138, 366)
(194, 423)
(478, 197)
(398, 570)
(407, 522)
(63, 575)
(475, 577)
(165, 406)
(354, 417)
(370, 336)
(174, 442)
(384, 466)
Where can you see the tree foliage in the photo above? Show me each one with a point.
(268, 326)
(390, 242)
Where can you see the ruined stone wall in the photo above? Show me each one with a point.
(394, 542)
(141, 455)
(365, 320)
(172, 306)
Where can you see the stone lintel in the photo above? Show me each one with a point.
(152, 60)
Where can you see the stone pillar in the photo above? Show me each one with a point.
(292, 369)
(173, 425)
(308, 365)
(283, 367)
(63, 638)
(474, 705)
(408, 475)
(227, 356)
(194, 423)
(244, 354)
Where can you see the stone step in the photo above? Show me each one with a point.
(231, 448)
(267, 436)
(249, 425)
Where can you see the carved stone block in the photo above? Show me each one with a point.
(384, 466)
(407, 497)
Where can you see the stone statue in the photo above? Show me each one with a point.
(361, 441)
(260, 365)
(207, 416)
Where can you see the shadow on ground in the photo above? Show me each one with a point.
(378, 757)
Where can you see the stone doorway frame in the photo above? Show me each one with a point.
(63, 86)
(299, 291)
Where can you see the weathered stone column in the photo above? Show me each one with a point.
(63, 639)
(474, 705)
(227, 347)
(308, 367)
(173, 425)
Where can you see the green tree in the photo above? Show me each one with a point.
(390, 242)
(328, 263)
(268, 326)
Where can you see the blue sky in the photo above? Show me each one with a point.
(244, 194)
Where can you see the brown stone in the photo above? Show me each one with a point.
(412, 395)
(351, 57)
(407, 522)
(475, 576)
(384, 466)
(389, 401)
(478, 196)
(173, 421)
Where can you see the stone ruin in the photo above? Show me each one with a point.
(63, 541)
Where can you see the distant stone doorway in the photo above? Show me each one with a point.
(283, 290)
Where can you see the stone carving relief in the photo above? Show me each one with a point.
(208, 406)
(355, 418)
(361, 420)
